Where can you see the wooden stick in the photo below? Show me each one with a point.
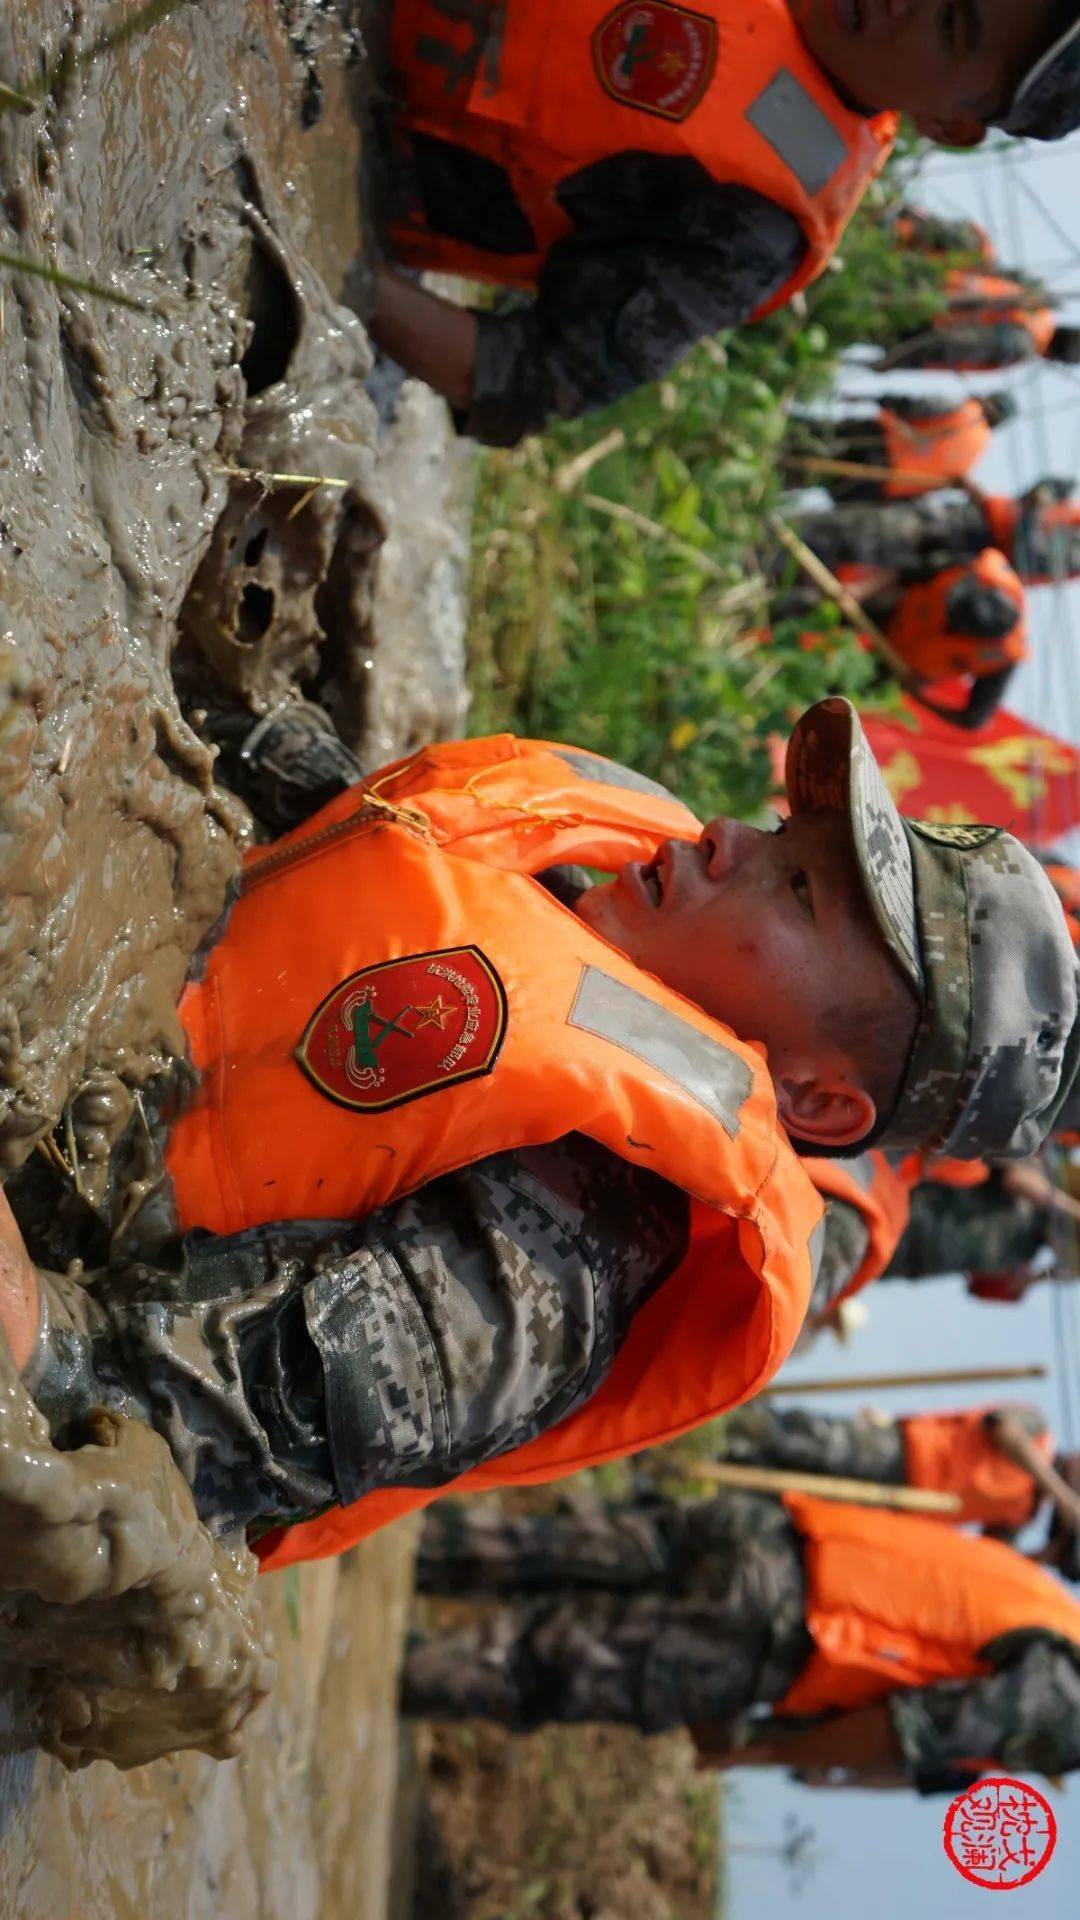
(823, 577)
(933, 1377)
(654, 531)
(857, 470)
(867, 1493)
(566, 477)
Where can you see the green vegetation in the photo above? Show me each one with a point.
(617, 589)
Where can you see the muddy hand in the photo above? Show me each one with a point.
(129, 1632)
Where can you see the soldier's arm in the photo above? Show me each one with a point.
(660, 256)
(1023, 1718)
(308, 1361)
(985, 696)
(1015, 1439)
(430, 337)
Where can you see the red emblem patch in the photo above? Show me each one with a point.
(655, 56)
(404, 1028)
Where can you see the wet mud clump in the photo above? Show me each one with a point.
(192, 511)
(198, 508)
(125, 1631)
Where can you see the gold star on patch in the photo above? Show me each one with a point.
(672, 63)
(435, 1014)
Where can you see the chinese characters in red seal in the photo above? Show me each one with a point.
(1000, 1833)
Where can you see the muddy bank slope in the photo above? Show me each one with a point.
(205, 174)
(206, 171)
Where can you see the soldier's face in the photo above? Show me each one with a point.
(769, 933)
(950, 65)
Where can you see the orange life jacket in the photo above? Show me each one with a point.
(943, 1170)
(879, 1194)
(918, 626)
(543, 91)
(396, 950)
(1003, 520)
(895, 1600)
(954, 1453)
(940, 449)
(986, 299)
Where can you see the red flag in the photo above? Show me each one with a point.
(1007, 774)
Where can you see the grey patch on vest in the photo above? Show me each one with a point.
(861, 1169)
(795, 127)
(709, 1073)
(816, 1246)
(610, 774)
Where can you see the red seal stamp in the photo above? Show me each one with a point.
(1000, 1833)
(393, 1032)
(655, 56)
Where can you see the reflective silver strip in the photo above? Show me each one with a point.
(715, 1078)
(610, 774)
(795, 127)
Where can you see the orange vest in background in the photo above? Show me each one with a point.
(895, 1600)
(871, 1185)
(911, 231)
(395, 997)
(1003, 520)
(953, 1453)
(918, 627)
(941, 449)
(543, 91)
(986, 299)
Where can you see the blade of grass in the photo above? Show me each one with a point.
(73, 282)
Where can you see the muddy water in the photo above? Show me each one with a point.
(149, 566)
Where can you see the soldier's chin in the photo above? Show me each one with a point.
(599, 908)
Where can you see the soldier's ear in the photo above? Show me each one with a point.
(823, 1109)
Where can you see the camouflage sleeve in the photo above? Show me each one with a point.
(483, 1309)
(1002, 343)
(304, 1362)
(1023, 1717)
(847, 1238)
(660, 256)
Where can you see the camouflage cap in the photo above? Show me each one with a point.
(975, 927)
(1046, 104)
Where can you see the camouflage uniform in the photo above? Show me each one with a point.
(655, 1615)
(983, 1229)
(913, 538)
(980, 346)
(762, 1435)
(663, 1614)
(661, 255)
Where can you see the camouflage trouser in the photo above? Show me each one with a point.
(916, 537)
(658, 1614)
(762, 1435)
(968, 1230)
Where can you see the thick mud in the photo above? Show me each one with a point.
(125, 1631)
(146, 552)
(198, 507)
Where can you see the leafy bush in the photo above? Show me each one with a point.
(618, 596)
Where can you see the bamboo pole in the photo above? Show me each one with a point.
(932, 1377)
(858, 470)
(823, 577)
(827, 1486)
